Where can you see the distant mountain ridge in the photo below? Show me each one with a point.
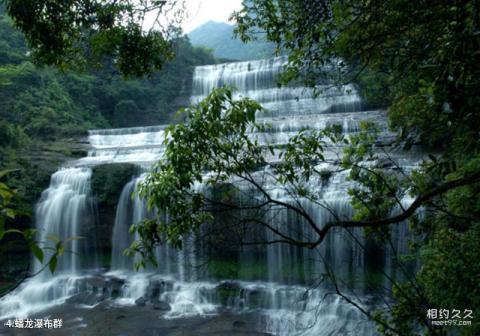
(219, 37)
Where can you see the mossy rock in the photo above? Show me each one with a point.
(108, 181)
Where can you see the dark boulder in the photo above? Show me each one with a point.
(141, 301)
(86, 298)
(161, 305)
(239, 324)
(116, 284)
(229, 286)
(154, 289)
(97, 282)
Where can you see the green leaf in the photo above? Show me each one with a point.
(52, 265)
(74, 238)
(10, 213)
(37, 252)
(5, 192)
(6, 171)
(53, 238)
(59, 248)
(14, 231)
(29, 233)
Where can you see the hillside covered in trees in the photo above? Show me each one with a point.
(220, 38)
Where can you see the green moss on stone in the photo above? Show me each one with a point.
(108, 181)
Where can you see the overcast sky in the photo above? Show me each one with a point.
(201, 11)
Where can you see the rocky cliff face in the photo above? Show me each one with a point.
(38, 161)
(107, 183)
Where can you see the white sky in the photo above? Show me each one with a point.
(201, 11)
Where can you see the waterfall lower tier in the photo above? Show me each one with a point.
(281, 284)
(131, 209)
(64, 213)
(278, 309)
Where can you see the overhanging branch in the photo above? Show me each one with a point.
(404, 215)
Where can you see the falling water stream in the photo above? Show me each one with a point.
(64, 211)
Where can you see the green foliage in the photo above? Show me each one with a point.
(378, 190)
(224, 269)
(12, 46)
(420, 59)
(6, 212)
(215, 132)
(125, 112)
(42, 109)
(78, 33)
(157, 97)
(216, 139)
(255, 271)
(453, 255)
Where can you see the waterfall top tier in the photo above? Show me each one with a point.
(259, 81)
(287, 110)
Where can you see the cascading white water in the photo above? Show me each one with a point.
(64, 211)
(257, 80)
(130, 209)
